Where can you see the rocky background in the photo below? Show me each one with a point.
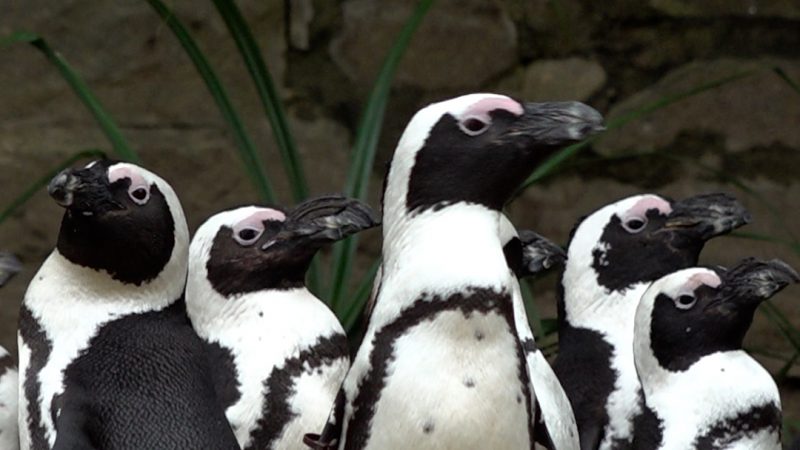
(619, 56)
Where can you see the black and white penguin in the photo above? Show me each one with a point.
(613, 255)
(441, 364)
(107, 354)
(279, 355)
(9, 393)
(701, 389)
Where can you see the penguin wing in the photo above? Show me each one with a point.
(554, 425)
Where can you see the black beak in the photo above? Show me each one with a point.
(707, 216)
(326, 219)
(753, 281)
(63, 186)
(557, 124)
(539, 253)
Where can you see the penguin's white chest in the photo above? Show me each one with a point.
(454, 382)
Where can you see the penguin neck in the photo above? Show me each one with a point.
(589, 305)
(71, 282)
(447, 249)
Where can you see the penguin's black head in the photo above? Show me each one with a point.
(697, 311)
(254, 248)
(119, 218)
(478, 148)
(644, 237)
(528, 253)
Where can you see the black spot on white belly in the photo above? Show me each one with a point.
(151, 387)
(581, 352)
(428, 427)
(765, 417)
(469, 382)
(383, 353)
(223, 373)
(40, 346)
(280, 387)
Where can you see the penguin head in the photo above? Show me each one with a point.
(696, 312)
(641, 238)
(122, 219)
(254, 248)
(477, 149)
(528, 253)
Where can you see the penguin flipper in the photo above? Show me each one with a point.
(553, 409)
(72, 430)
(329, 438)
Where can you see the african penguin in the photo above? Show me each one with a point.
(107, 354)
(9, 393)
(441, 364)
(279, 355)
(701, 389)
(613, 255)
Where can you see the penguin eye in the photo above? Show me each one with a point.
(247, 236)
(473, 126)
(685, 301)
(634, 224)
(139, 194)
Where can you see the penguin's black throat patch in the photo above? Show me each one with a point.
(234, 269)
(680, 338)
(626, 259)
(105, 230)
(453, 167)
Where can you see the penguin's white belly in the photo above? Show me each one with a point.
(454, 383)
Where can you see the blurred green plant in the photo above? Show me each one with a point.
(347, 299)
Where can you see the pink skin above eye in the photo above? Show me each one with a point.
(482, 108)
(119, 173)
(642, 206)
(257, 219)
(703, 278)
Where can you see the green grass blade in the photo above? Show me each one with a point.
(534, 318)
(787, 79)
(366, 143)
(44, 179)
(556, 160)
(250, 157)
(81, 89)
(270, 100)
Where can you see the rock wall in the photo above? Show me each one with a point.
(621, 56)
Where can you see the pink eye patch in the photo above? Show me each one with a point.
(256, 219)
(702, 278)
(483, 107)
(118, 173)
(647, 203)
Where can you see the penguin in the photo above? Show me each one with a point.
(612, 256)
(108, 356)
(701, 389)
(441, 364)
(9, 393)
(278, 354)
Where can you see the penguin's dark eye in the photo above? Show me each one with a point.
(634, 224)
(139, 194)
(247, 236)
(685, 301)
(473, 126)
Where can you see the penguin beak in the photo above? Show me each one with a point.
(556, 124)
(752, 281)
(539, 253)
(326, 219)
(83, 190)
(707, 216)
